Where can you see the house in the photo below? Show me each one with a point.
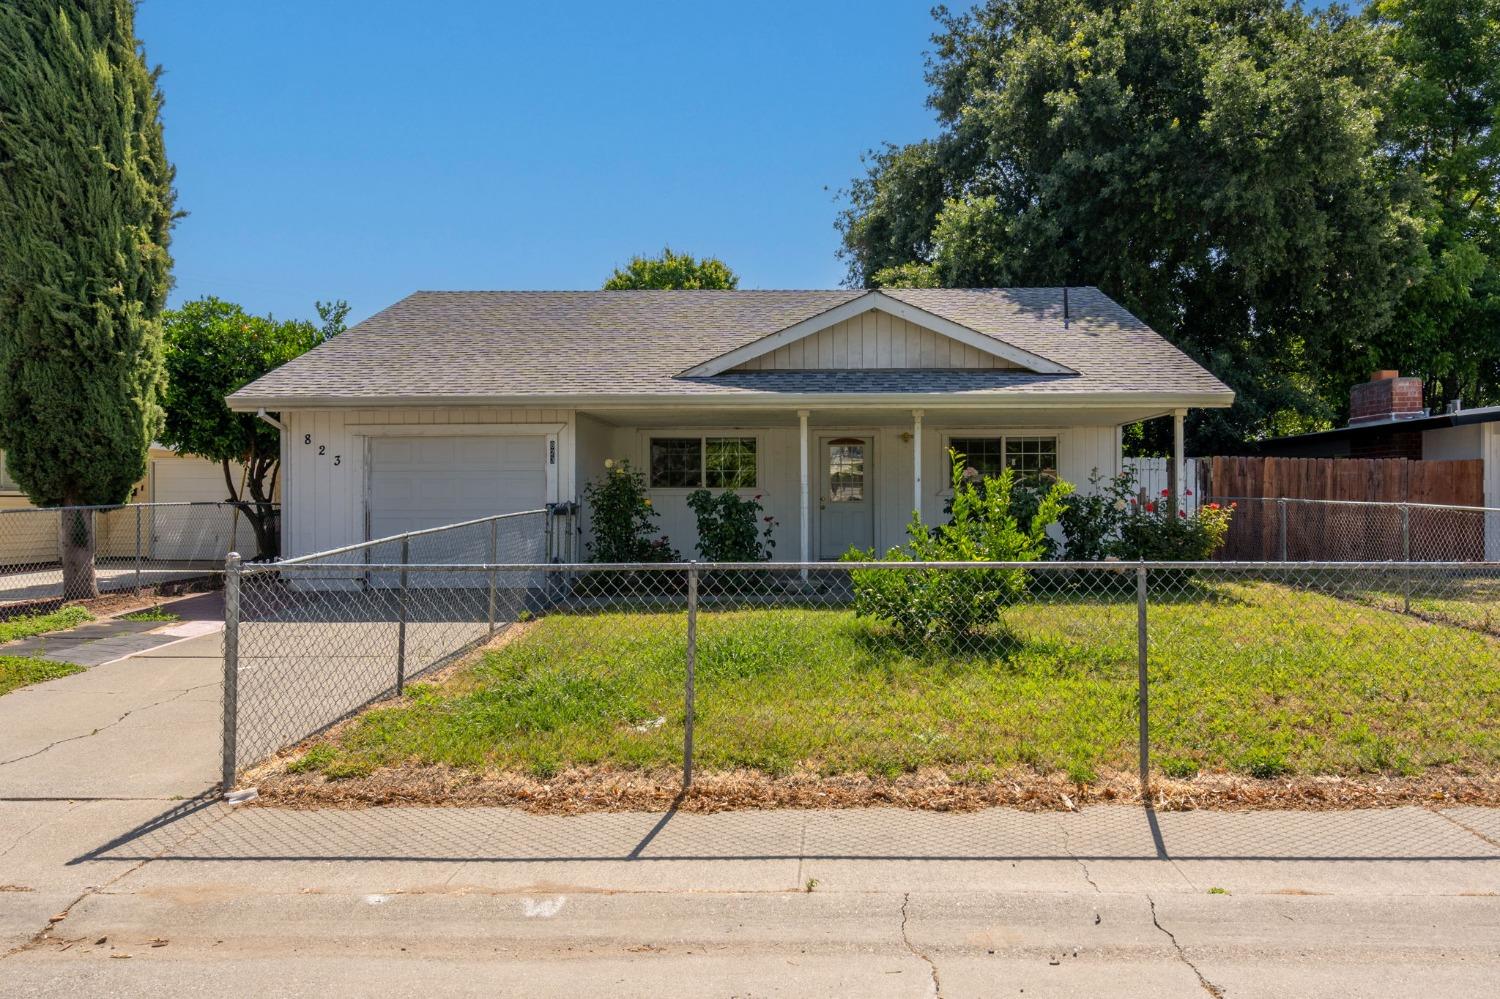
(836, 407)
(1388, 418)
(169, 533)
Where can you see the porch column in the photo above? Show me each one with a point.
(806, 476)
(1179, 464)
(916, 461)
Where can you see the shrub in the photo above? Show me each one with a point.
(1091, 523)
(948, 603)
(622, 519)
(1157, 530)
(731, 528)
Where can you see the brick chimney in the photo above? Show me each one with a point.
(1386, 396)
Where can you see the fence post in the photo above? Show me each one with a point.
(1406, 557)
(401, 621)
(229, 761)
(137, 549)
(494, 558)
(689, 699)
(1281, 525)
(1142, 697)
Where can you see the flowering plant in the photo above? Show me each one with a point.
(731, 528)
(1160, 530)
(621, 518)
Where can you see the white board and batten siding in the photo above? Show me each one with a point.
(874, 340)
(1081, 450)
(326, 463)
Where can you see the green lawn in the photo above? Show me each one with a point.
(153, 614)
(1250, 677)
(22, 671)
(40, 624)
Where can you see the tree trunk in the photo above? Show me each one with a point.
(75, 547)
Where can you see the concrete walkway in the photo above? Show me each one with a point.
(115, 880)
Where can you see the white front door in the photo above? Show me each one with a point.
(846, 495)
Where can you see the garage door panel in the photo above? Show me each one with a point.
(422, 482)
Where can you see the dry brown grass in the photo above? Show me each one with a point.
(603, 789)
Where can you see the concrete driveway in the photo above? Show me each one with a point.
(115, 879)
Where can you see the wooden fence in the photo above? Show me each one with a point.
(1264, 530)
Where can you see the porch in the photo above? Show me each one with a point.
(835, 479)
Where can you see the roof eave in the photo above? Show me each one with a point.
(1024, 399)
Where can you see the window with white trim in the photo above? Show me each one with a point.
(1034, 458)
(696, 462)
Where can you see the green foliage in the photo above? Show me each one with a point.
(731, 528)
(1092, 522)
(213, 348)
(86, 210)
(621, 518)
(673, 272)
(28, 625)
(1440, 125)
(926, 604)
(21, 671)
(152, 614)
(1158, 531)
(332, 316)
(1215, 165)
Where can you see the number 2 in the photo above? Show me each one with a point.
(322, 448)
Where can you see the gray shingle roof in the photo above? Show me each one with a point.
(500, 346)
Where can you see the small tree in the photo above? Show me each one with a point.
(332, 314)
(672, 272)
(213, 348)
(86, 210)
(923, 604)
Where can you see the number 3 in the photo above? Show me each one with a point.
(338, 459)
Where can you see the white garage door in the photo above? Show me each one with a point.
(421, 482)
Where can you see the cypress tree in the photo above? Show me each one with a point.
(86, 209)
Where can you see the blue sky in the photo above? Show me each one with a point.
(363, 150)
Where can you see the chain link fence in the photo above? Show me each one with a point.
(893, 675)
(131, 547)
(1298, 530)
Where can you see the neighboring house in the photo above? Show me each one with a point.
(170, 478)
(1388, 418)
(836, 407)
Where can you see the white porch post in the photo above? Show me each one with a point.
(806, 476)
(1179, 465)
(916, 461)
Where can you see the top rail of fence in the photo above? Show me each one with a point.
(788, 567)
(133, 506)
(1393, 504)
(313, 557)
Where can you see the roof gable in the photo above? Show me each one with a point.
(913, 338)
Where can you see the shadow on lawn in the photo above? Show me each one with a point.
(205, 830)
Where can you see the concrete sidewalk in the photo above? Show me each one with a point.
(116, 880)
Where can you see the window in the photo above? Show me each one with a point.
(729, 462)
(694, 462)
(7, 484)
(986, 455)
(1033, 458)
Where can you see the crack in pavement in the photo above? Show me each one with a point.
(1209, 987)
(110, 725)
(1464, 826)
(32, 831)
(937, 985)
(1068, 849)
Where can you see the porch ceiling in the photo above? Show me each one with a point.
(1006, 416)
